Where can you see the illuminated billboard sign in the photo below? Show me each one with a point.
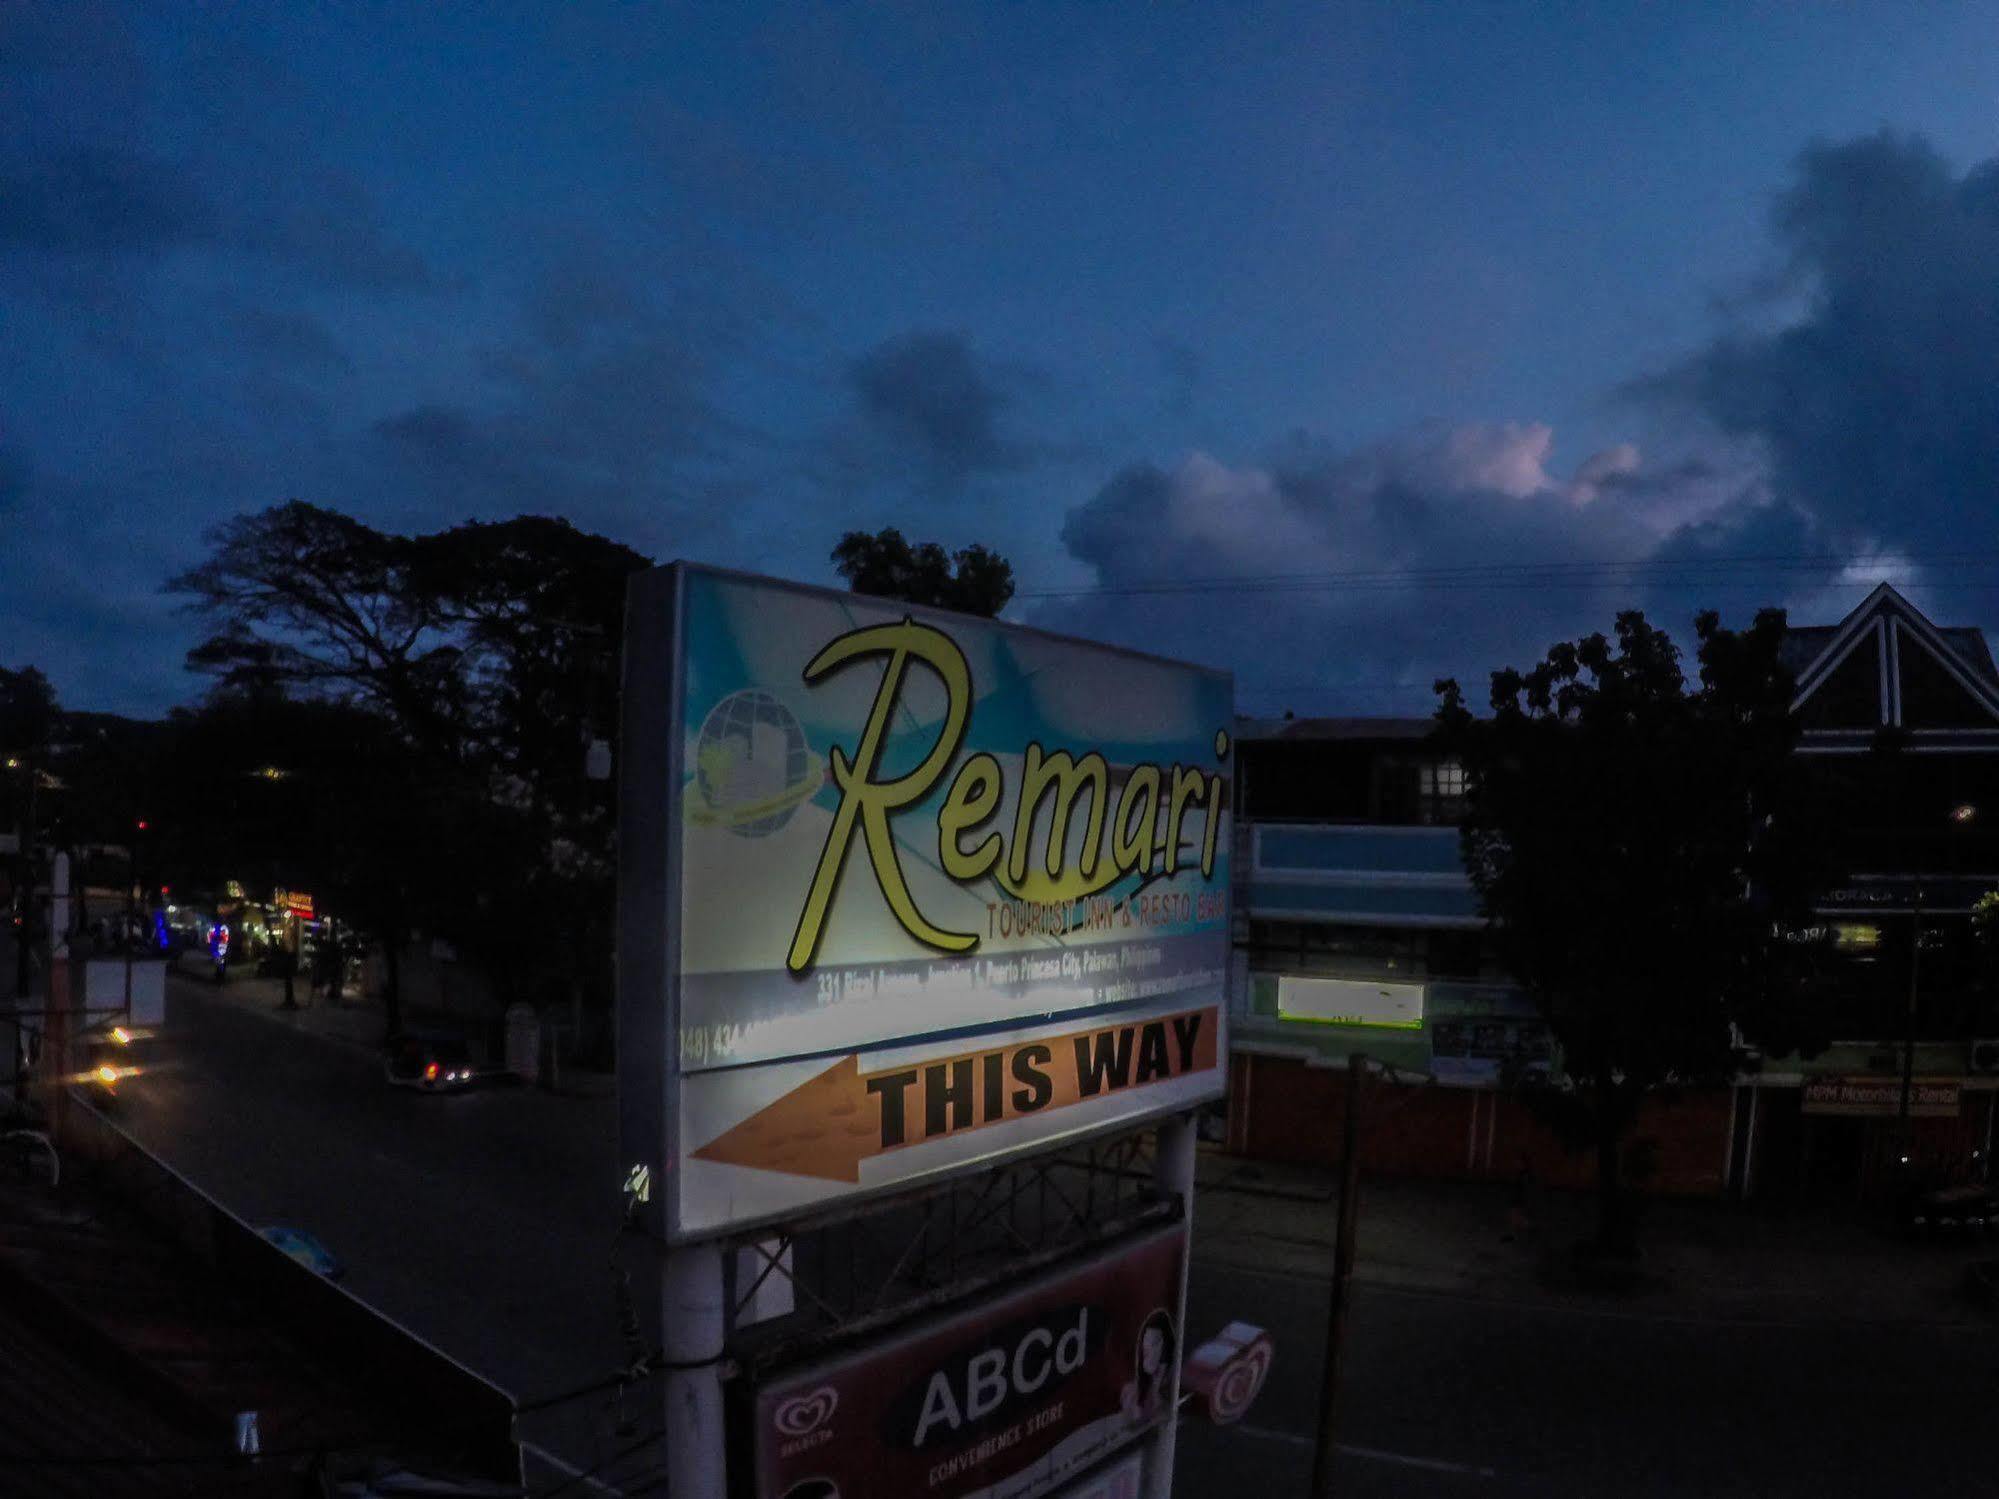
(1005, 1400)
(1350, 1002)
(903, 893)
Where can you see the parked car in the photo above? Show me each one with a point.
(434, 1064)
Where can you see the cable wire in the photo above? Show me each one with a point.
(1577, 573)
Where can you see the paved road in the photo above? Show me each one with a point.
(484, 1221)
(1451, 1397)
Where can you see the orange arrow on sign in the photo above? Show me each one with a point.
(829, 1124)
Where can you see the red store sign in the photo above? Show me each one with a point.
(1932, 1098)
(1006, 1399)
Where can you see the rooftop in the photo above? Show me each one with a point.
(1334, 728)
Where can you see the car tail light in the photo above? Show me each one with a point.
(430, 1073)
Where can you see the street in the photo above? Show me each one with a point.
(484, 1222)
(1455, 1396)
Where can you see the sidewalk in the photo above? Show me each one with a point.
(1702, 1259)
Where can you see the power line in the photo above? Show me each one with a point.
(1570, 574)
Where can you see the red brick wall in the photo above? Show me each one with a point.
(1281, 1109)
(1687, 1133)
(1284, 1110)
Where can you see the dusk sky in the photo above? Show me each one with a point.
(1470, 324)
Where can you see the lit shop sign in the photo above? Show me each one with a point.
(297, 902)
(1934, 1098)
(1013, 1396)
(904, 892)
(1350, 1002)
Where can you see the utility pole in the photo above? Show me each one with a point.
(694, 1313)
(24, 934)
(1173, 1166)
(1336, 1313)
(1909, 1019)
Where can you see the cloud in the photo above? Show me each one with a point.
(81, 600)
(112, 202)
(90, 201)
(291, 338)
(1846, 429)
(600, 408)
(94, 201)
(97, 167)
(15, 474)
(327, 224)
(1877, 404)
(1446, 550)
(927, 400)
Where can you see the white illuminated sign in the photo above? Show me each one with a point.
(1350, 1002)
(904, 893)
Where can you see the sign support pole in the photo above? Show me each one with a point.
(1336, 1311)
(693, 1307)
(1173, 1172)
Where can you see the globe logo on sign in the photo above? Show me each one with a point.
(752, 766)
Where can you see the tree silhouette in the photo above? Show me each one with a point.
(973, 580)
(1639, 845)
(488, 654)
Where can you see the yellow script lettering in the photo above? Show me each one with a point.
(869, 802)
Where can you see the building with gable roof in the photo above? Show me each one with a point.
(1357, 930)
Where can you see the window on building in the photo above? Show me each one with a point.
(1440, 792)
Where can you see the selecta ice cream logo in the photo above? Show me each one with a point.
(804, 1418)
(1132, 838)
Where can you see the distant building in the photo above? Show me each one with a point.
(1901, 739)
(1358, 930)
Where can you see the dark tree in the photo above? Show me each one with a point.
(28, 712)
(1640, 845)
(308, 598)
(537, 608)
(106, 765)
(973, 580)
(28, 722)
(316, 795)
(488, 655)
